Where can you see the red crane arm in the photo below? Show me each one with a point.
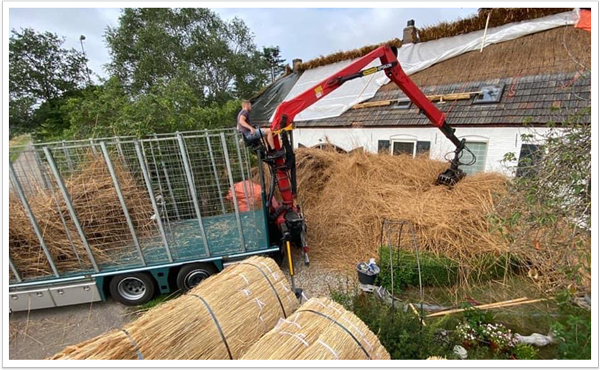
(292, 107)
(288, 217)
(287, 111)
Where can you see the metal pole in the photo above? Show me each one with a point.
(111, 170)
(249, 170)
(67, 156)
(169, 187)
(69, 205)
(36, 229)
(214, 167)
(119, 148)
(239, 154)
(14, 270)
(160, 187)
(92, 145)
(235, 205)
(190, 180)
(62, 218)
(41, 169)
(140, 156)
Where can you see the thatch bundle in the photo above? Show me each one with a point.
(345, 55)
(246, 300)
(98, 209)
(319, 330)
(347, 196)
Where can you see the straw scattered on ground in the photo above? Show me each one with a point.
(244, 303)
(98, 209)
(346, 197)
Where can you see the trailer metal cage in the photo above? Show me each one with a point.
(182, 184)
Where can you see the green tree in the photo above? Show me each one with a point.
(217, 59)
(546, 215)
(40, 70)
(109, 110)
(274, 61)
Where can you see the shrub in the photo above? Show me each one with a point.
(525, 352)
(399, 332)
(435, 270)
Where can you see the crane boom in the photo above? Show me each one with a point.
(288, 216)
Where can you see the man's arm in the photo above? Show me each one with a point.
(245, 123)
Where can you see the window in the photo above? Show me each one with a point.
(528, 158)
(402, 104)
(423, 147)
(479, 149)
(383, 146)
(403, 147)
(489, 94)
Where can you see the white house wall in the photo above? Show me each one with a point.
(500, 140)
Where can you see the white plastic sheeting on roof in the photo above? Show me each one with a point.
(413, 58)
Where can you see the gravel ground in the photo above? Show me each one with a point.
(314, 280)
(39, 334)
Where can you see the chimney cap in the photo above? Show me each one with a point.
(410, 23)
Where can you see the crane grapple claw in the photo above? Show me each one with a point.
(450, 177)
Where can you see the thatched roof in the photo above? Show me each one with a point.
(345, 55)
(498, 17)
(559, 50)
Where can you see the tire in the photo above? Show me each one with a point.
(191, 275)
(132, 289)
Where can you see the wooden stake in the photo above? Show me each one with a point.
(512, 302)
(416, 313)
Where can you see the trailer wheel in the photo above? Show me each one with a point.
(132, 289)
(191, 275)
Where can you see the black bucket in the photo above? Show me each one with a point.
(365, 277)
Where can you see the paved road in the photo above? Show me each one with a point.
(27, 170)
(42, 333)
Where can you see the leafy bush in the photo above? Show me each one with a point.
(546, 215)
(435, 270)
(573, 332)
(398, 331)
(525, 352)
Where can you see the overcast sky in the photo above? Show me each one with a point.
(300, 33)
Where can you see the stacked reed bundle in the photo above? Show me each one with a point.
(347, 196)
(219, 319)
(319, 330)
(98, 209)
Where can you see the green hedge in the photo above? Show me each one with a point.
(435, 270)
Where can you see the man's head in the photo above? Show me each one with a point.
(246, 105)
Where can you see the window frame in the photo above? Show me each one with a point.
(404, 140)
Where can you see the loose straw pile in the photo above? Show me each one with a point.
(346, 197)
(219, 319)
(319, 330)
(97, 206)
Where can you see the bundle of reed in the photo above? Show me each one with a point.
(219, 319)
(319, 330)
(98, 210)
(346, 197)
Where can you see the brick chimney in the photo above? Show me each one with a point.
(409, 36)
(295, 64)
